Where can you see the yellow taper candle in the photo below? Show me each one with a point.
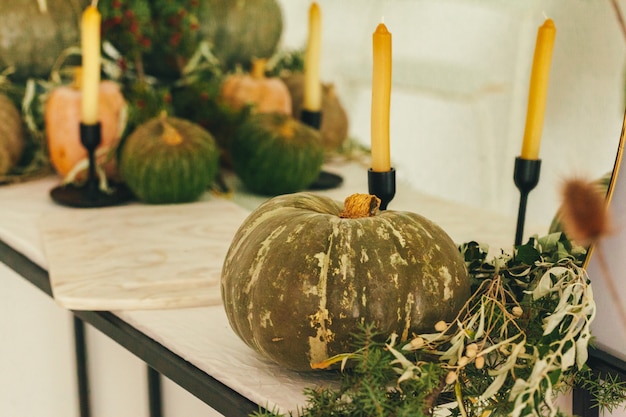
(381, 99)
(312, 85)
(90, 47)
(538, 90)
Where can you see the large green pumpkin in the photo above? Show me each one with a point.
(33, 37)
(168, 160)
(303, 271)
(273, 153)
(240, 30)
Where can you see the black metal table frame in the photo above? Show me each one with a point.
(223, 399)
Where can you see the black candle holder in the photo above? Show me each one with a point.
(88, 194)
(325, 180)
(311, 118)
(382, 185)
(526, 177)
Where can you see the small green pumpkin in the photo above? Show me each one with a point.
(169, 160)
(273, 154)
(303, 272)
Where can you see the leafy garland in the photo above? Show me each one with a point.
(521, 339)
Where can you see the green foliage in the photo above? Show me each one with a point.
(608, 391)
(146, 101)
(285, 62)
(165, 33)
(197, 98)
(520, 339)
(127, 25)
(369, 386)
(29, 98)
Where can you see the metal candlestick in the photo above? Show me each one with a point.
(526, 177)
(325, 180)
(88, 194)
(311, 118)
(382, 185)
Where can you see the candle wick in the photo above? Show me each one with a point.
(382, 19)
(545, 15)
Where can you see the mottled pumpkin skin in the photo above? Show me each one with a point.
(160, 170)
(298, 279)
(31, 39)
(272, 153)
(241, 30)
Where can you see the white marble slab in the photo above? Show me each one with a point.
(139, 256)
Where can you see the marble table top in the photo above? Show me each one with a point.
(139, 257)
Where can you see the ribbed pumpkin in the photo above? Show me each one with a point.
(62, 117)
(168, 160)
(263, 94)
(12, 140)
(32, 37)
(335, 124)
(303, 271)
(241, 30)
(273, 154)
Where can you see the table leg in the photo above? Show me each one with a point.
(583, 404)
(81, 367)
(154, 393)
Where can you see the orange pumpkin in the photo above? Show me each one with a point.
(264, 94)
(62, 117)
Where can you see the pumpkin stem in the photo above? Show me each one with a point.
(77, 78)
(360, 205)
(258, 68)
(170, 134)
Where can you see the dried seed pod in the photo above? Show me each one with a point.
(417, 343)
(471, 350)
(451, 377)
(441, 326)
(479, 363)
(464, 360)
(584, 212)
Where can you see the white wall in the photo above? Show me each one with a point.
(461, 70)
